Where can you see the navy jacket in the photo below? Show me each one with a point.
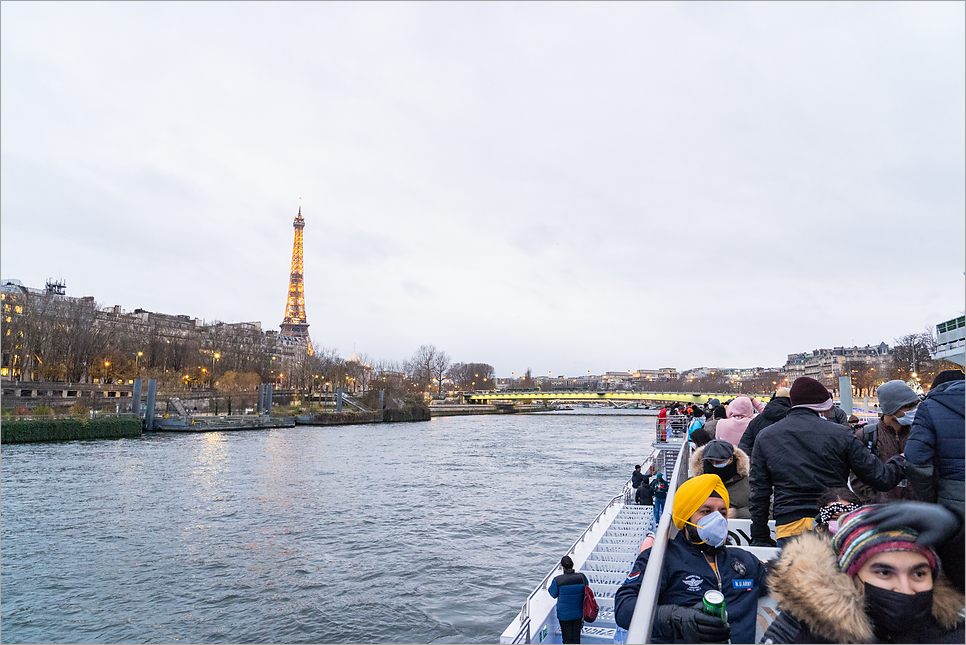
(937, 445)
(802, 455)
(685, 578)
(775, 410)
(570, 589)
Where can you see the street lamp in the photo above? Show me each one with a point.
(136, 357)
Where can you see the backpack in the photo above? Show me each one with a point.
(590, 603)
(870, 437)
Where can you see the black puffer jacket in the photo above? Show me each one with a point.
(802, 455)
(774, 411)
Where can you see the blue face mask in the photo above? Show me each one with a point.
(713, 529)
(908, 417)
(721, 465)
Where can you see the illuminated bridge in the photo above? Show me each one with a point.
(583, 396)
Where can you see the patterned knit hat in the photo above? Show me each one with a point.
(858, 540)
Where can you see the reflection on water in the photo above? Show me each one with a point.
(418, 532)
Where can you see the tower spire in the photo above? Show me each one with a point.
(294, 324)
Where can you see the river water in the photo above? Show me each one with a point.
(429, 532)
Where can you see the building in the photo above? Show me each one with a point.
(827, 365)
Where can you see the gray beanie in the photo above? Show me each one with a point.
(894, 395)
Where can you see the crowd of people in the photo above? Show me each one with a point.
(868, 518)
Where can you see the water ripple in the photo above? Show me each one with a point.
(394, 533)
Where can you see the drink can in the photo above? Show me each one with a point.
(714, 604)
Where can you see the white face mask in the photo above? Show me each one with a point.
(908, 417)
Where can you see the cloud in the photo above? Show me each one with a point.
(568, 186)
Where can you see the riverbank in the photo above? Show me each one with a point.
(40, 430)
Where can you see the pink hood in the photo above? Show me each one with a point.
(740, 413)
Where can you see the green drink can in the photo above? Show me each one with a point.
(714, 605)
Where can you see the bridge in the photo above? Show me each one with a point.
(584, 396)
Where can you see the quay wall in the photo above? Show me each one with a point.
(347, 418)
(37, 430)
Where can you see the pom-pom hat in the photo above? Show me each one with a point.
(858, 539)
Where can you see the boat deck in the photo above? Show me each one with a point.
(608, 566)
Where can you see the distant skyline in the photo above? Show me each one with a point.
(565, 187)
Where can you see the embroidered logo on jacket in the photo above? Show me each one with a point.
(693, 582)
(633, 576)
(738, 567)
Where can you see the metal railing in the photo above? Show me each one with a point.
(642, 622)
(525, 611)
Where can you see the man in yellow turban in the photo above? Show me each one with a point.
(697, 561)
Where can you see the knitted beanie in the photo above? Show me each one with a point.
(894, 395)
(857, 540)
(808, 391)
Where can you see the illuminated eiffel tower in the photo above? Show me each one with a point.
(294, 324)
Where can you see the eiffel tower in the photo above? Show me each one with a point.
(294, 324)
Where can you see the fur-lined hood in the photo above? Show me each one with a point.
(741, 458)
(806, 581)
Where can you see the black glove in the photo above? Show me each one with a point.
(935, 523)
(692, 625)
(763, 541)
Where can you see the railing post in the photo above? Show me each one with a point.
(338, 400)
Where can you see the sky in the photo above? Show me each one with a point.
(565, 187)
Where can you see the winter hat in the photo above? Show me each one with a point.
(719, 412)
(946, 376)
(808, 391)
(719, 450)
(693, 493)
(894, 395)
(782, 391)
(857, 540)
(714, 402)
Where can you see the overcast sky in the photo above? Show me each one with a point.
(560, 186)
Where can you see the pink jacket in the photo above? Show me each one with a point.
(740, 413)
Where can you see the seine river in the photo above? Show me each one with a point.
(392, 533)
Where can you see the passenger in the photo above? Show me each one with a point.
(834, 503)
(775, 410)
(855, 423)
(740, 413)
(835, 414)
(659, 492)
(731, 465)
(877, 580)
(800, 456)
(641, 482)
(662, 423)
(569, 587)
(700, 436)
(696, 561)
(717, 414)
(887, 438)
(935, 453)
(697, 421)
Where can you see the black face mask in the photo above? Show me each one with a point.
(725, 473)
(896, 613)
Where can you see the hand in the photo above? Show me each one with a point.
(693, 625)
(763, 541)
(935, 523)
